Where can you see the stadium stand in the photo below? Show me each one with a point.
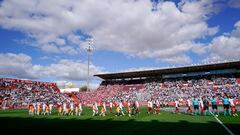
(168, 85)
(15, 93)
(165, 90)
(165, 85)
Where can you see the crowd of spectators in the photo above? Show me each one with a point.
(170, 90)
(19, 94)
(165, 90)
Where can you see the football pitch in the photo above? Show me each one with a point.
(12, 121)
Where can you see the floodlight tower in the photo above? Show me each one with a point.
(89, 51)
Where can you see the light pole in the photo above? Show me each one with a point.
(89, 51)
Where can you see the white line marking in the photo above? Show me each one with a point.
(220, 122)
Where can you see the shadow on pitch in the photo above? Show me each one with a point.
(108, 127)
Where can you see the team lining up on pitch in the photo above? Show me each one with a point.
(195, 106)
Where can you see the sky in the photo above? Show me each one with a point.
(46, 40)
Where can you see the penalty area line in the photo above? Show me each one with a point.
(220, 122)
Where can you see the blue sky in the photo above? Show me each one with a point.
(46, 40)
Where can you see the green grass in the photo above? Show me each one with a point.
(165, 123)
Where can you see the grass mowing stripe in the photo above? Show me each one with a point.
(220, 122)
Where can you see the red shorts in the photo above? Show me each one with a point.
(149, 109)
(158, 109)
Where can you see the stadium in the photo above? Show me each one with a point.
(165, 86)
(133, 67)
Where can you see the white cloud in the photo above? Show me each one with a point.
(234, 3)
(199, 48)
(140, 69)
(126, 26)
(51, 48)
(69, 50)
(226, 46)
(17, 65)
(20, 65)
(178, 59)
(71, 70)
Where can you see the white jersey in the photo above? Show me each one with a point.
(71, 106)
(80, 106)
(231, 101)
(120, 105)
(104, 106)
(4, 104)
(50, 107)
(137, 104)
(150, 104)
(64, 106)
(189, 102)
(110, 104)
(34, 106)
(176, 103)
(157, 103)
(129, 104)
(95, 106)
(201, 103)
(44, 106)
